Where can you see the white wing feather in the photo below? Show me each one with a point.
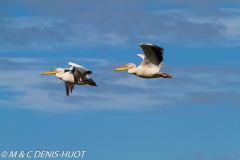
(146, 63)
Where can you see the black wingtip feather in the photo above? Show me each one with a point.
(158, 48)
(89, 72)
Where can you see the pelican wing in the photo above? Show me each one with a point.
(78, 71)
(69, 87)
(153, 53)
(146, 63)
(91, 82)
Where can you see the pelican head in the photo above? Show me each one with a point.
(55, 71)
(124, 67)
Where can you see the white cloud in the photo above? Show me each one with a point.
(232, 25)
(31, 22)
(108, 25)
(28, 89)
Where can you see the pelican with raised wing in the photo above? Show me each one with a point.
(151, 64)
(76, 75)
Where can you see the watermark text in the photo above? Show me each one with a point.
(43, 154)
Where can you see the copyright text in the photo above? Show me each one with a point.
(43, 154)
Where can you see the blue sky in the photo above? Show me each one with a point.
(193, 116)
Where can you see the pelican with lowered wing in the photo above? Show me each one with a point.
(76, 75)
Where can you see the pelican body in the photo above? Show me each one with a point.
(76, 75)
(151, 64)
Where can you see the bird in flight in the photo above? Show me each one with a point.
(75, 75)
(151, 64)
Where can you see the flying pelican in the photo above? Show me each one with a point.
(76, 75)
(151, 64)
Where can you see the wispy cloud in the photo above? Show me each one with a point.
(195, 85)
(61, 25)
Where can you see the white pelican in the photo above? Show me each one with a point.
(151, 64)
(75, 75)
